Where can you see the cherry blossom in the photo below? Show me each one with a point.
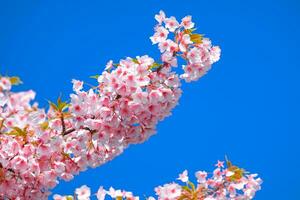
(5, 83)
(239, 185)
(220, 164)
(171, 24)
(184, 176)
(77, 85)
(101, 194)
(187, 23)
(160, 17)
(39, 147)
(83, 193)
(160, 35)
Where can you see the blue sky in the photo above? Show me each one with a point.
(247, 107)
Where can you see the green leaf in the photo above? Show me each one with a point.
(189, 31)
(17, 132)
(155, 65)
(60, 106)
(69, 197)
(228, 162)
(53, 105)
(196, 38)
(15, 80)
(135, 60)
(44, 125)
(186, 188)
(191, 185)
(95, 77)
(238, 173)
(66, 155)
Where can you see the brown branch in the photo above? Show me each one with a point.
(68, 131)
(63, 123)
(73, 129)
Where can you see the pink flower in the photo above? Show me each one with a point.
(155, 96)
(220, 164)
(215, 54)
(184, 176)
(5, 83)
(114, 193)
(201, 176)
(160, 35)
(83, 193)
(163, 46)
(169, 58)
(77, 85)
(184, 42)
(101, 194)
(168, 45)
(194, 55)
(160, 17)
(169, 191)
(187, 23)
(109, 65)
(171, 24)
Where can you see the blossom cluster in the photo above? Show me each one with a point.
(39, 147)
(198, 52)
(230, 183)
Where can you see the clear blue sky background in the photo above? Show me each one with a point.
(247, 107)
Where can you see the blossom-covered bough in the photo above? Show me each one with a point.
(38, 147)
(227, 183)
